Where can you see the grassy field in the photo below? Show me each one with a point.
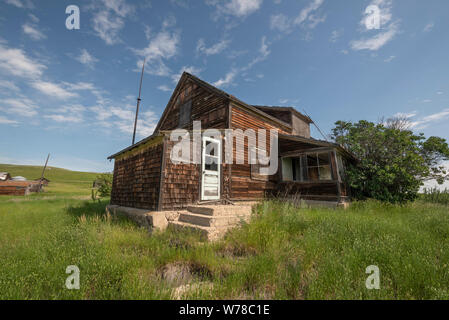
(284, 253)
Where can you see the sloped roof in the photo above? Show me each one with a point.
(287, 109)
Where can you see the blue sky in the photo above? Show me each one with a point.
(72, 93)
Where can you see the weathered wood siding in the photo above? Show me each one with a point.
(207, 107)
(137, 179)
(243, 185)
(181, 182)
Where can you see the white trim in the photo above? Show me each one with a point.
(205, 172)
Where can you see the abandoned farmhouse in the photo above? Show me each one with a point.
(146, 178)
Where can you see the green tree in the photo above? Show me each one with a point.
(102, 186)
(393, 161)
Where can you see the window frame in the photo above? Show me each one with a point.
(304, 171)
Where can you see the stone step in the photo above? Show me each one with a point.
(221, 210)
(212, 221)
(208, 233)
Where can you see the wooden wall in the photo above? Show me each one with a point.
(207, 107)
(243, 185)
(180, 184)
(137, 179)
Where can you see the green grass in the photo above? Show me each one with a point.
(435, 195)
(284, 253)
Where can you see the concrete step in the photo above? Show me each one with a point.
(212, 221)
(221, 210)
(207, 233)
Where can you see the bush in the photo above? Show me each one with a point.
(434, 195)
(102, 186)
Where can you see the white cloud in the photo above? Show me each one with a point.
(378, 41)
(439, 92)
(305, 13)
(122, 118)
(33, 32)
(161, 47)
(215, 49)
(15, 62)
(8, 85)
(23, 4)
(280, 22)
(165, 88)
(429, 27)
(190, 69)
(227, 80)
(19, 106)
(52, 89)
(86, 58)
(390, 58)
(424, 122)
(110, 19)
(4, 120)
(237, 8)
(335, 35)
(389, 29)
(307, 18)
(242, 8)
(70, 114)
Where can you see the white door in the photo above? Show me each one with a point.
(210, 165)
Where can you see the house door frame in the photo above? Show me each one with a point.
(205, 172)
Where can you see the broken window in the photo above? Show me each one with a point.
(184, 113)
(307, 167)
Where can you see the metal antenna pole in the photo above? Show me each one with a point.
(138, 102)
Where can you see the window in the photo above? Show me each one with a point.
(307, 167)
(184, 113)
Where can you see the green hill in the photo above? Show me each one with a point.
(62, 181)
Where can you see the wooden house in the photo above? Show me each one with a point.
(145, 177)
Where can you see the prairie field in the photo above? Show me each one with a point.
(283, 253)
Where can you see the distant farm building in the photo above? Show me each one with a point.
(18, 188)
(4, 176)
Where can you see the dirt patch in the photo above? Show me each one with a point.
(180, 273)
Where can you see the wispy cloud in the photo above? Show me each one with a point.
(237, 8)
(429, 27)
(335, 35)
(53, 89)
(161, 47)
(423, 122)
(227, 79)
(214, 49)
(4, 120)
(23, 4)
(87, 59)
(15, 62)
(33, 32)
(8, 85)
(308, 18)
(389, 29)
(68, 114)
(389, 59)
(190, 69)
(19, 106)
(109, 20)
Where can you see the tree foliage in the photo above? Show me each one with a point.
(102, 186)
(393, 161)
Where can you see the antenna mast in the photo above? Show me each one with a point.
(43, 172)
(138, 102)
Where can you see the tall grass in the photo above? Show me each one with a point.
(435, 195)
(284, 253)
